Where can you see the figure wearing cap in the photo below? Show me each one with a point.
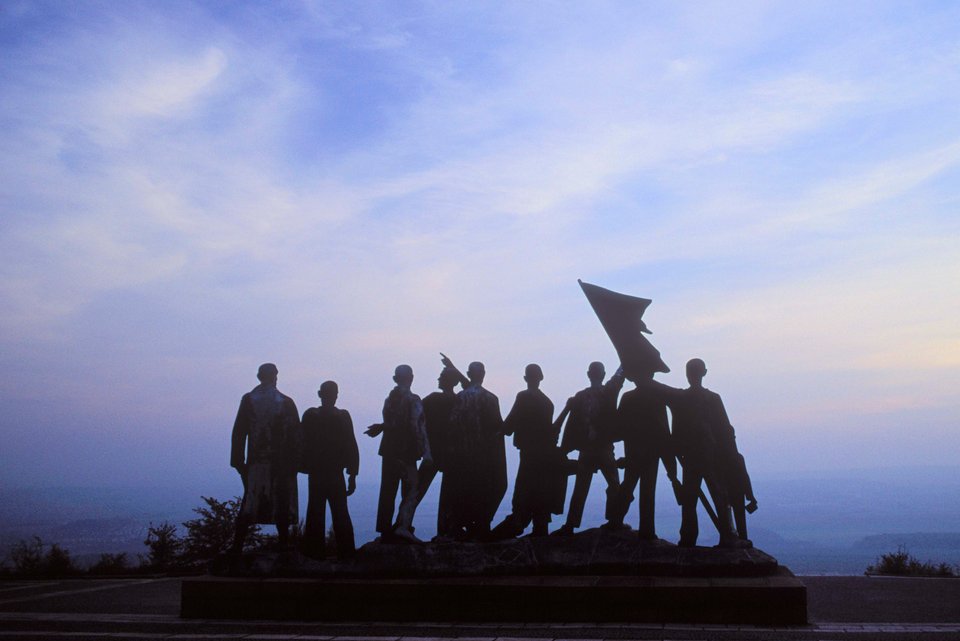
(264, 451)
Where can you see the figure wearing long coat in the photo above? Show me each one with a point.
(264, 448)
(478, 460)
(540, 474)
(437, 410)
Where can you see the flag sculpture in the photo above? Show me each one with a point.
(622, 318)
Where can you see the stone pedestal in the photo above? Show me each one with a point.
(594, 576)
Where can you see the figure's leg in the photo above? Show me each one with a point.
(444, 508)
(625, 496)
(340, 515)
(540, 494)
(425, 476)
(389, 482)
(540, 522)
(508, 528)
(718, 493)
(740, 518)
(282, 508)
(581, 488)
(608, 467)
(515, 522)
(456, 519)
(240, 533)
(689, 530)
(408, 492)
(648, 493)
(313, 529)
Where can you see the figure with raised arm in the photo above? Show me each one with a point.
(591, 429)
(264, 451)
(404, 443)
(329, 449)
(530, 421)
(437, 410)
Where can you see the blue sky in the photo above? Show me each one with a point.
(190, 189)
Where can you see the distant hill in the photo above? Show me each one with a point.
(927, 540)
(812, 523)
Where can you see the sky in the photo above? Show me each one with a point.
(189, 189)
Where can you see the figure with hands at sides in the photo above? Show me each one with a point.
(264, 451)
(329, 450)
(530, 422)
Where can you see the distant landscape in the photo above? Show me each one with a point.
(831, 523)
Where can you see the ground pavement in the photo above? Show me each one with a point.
(861, 608)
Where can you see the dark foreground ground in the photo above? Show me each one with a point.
(891, 609)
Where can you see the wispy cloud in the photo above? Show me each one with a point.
(343, 187)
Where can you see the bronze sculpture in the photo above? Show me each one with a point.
(329, 449)
(530, 422)
(264, 451)
(404, 443)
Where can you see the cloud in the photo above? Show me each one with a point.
(168, 89)
(344, 188)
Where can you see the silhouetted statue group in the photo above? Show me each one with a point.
(460, 436)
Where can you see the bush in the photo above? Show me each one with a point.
(212, 534)
(57, 562)
(27, 557)
(111, 564)
(163, 546)
(29, 560)
(902, 563)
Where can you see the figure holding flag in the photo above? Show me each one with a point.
(701, 430)
(646, 441)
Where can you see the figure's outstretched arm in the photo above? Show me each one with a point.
(445, 360)
(615, 382)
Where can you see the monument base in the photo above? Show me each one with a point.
(592, 576)
(780, 599)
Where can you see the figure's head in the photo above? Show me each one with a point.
(448, 379)
(328, 393)
(696, 370)
(596, 372)
(267, 373)
(403, 375)
(476, 372)
(533, 375)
